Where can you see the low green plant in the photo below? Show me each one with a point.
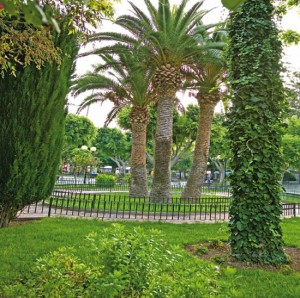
(200, 249)
(118, 263)
(105, 180)
(220, 259)
(216, 243)
(286, 270)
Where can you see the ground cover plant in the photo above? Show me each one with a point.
(21, 245)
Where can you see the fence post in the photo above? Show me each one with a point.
(294, 209)
(50, 206)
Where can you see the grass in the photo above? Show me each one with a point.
(21, 245)
(290, 198)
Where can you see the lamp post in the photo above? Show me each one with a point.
(87, 167)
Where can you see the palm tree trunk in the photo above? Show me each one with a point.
(161, 188)
(196, 176)
(138, 181)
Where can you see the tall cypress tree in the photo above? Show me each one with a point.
(32, 118)
(255, 129)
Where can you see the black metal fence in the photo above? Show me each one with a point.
(112, 206)
(92, 186)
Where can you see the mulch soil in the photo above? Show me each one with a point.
(220, 255)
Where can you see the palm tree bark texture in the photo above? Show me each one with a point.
(207, 103)
(138, 184)
(161, 189)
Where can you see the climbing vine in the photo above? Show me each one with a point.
(255, 130)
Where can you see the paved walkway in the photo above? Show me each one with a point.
(40, 211)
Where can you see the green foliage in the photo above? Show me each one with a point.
(79, 131)
(292, 92)
(200, 249)
(19, 250)
(290, 37)
(27, 27)
(22, 45)
(289, 176)
(221, 259)
(216, 243)
(232, 4)
(105, 180)
(119, 263)
(255, 129)
(32, 126)
(291, 143)
(82, 159)
(112, 143)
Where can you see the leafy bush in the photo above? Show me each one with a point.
(124, 178)
(105, 180)
(118, 263)
(216, 243)
(289, 176)
(200, 249)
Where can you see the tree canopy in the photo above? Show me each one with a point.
(26, 29)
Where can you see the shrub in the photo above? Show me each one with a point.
(105, 180)
(118, 263)
(289, 176)
(200, 249)
(216, 243)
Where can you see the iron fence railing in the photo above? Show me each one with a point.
(112, 206)
(92, 186)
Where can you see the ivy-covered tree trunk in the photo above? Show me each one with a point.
(255, 130)
(32, 118)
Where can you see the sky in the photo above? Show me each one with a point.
(97, 112)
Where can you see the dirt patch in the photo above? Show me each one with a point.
(22, 221)
(219, 253)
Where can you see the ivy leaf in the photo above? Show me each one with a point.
(239, 226)
(232, 4)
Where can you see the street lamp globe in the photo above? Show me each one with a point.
(93, 149)
(84, 147)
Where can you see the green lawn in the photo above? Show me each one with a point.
(21, 245)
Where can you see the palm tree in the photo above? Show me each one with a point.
(205, 78)
(125, 82)
(208, 96)
(168, 36)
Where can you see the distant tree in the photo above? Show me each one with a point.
(83, 160)
(291, 144)
(79, 131)
(183, 166)
(113, 146)
(293, 93)
(220, 151)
